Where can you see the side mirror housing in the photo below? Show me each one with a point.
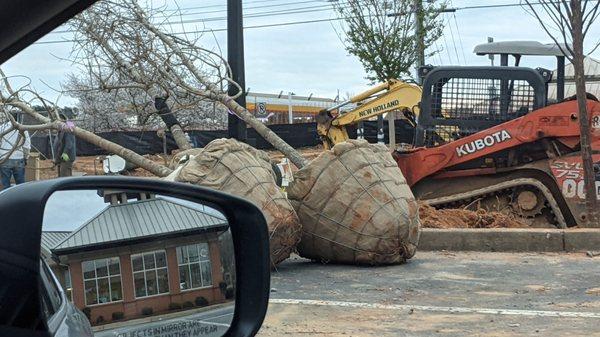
(22, 209)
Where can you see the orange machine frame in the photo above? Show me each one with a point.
(557, 121)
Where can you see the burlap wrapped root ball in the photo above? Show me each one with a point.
(355, 207)
(237, 168)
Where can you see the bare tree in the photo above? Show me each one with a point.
(26, 101)
(133, 108)
(381, 33)
(150, 60)
(122, 39)
(567, 22)
(100, 111)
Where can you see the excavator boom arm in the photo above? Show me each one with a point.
(399, 95)
(393, 95)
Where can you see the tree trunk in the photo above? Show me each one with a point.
(170, 120)
(270, 136)
(109, 146)
(128, 155)
(180, 137)
(584, 121)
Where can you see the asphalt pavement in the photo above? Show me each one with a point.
(439, 294)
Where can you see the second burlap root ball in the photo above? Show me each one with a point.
(237, 168)
(355, 207)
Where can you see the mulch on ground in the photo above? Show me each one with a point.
(462, 218)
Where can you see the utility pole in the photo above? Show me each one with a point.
(235, 56)
(420, 48)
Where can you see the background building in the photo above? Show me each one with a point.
(275, 109)
(140, 256)
(592, 76)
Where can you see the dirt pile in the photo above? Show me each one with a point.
(355, 207)
(461, 218)
(237, 168)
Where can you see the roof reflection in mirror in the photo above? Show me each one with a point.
(138, 264)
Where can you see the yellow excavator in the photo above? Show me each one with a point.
(393, 95)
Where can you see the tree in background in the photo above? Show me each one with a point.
(386, 44)
(133, 108)
(567, 22)
(101, 111)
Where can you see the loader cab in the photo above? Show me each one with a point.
(460, 101)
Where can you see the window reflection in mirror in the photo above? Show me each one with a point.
(140, 264)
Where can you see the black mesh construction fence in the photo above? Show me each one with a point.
(147, 142)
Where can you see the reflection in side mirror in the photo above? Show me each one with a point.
(139, 264)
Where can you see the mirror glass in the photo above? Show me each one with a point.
(136, 263)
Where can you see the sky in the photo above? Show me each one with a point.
(68, 210)
(301, 58)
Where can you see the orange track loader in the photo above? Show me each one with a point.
(530, 164)
(486, 137)
(491, 137)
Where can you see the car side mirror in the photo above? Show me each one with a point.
(121, 256)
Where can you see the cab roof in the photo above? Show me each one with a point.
(520, 48)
